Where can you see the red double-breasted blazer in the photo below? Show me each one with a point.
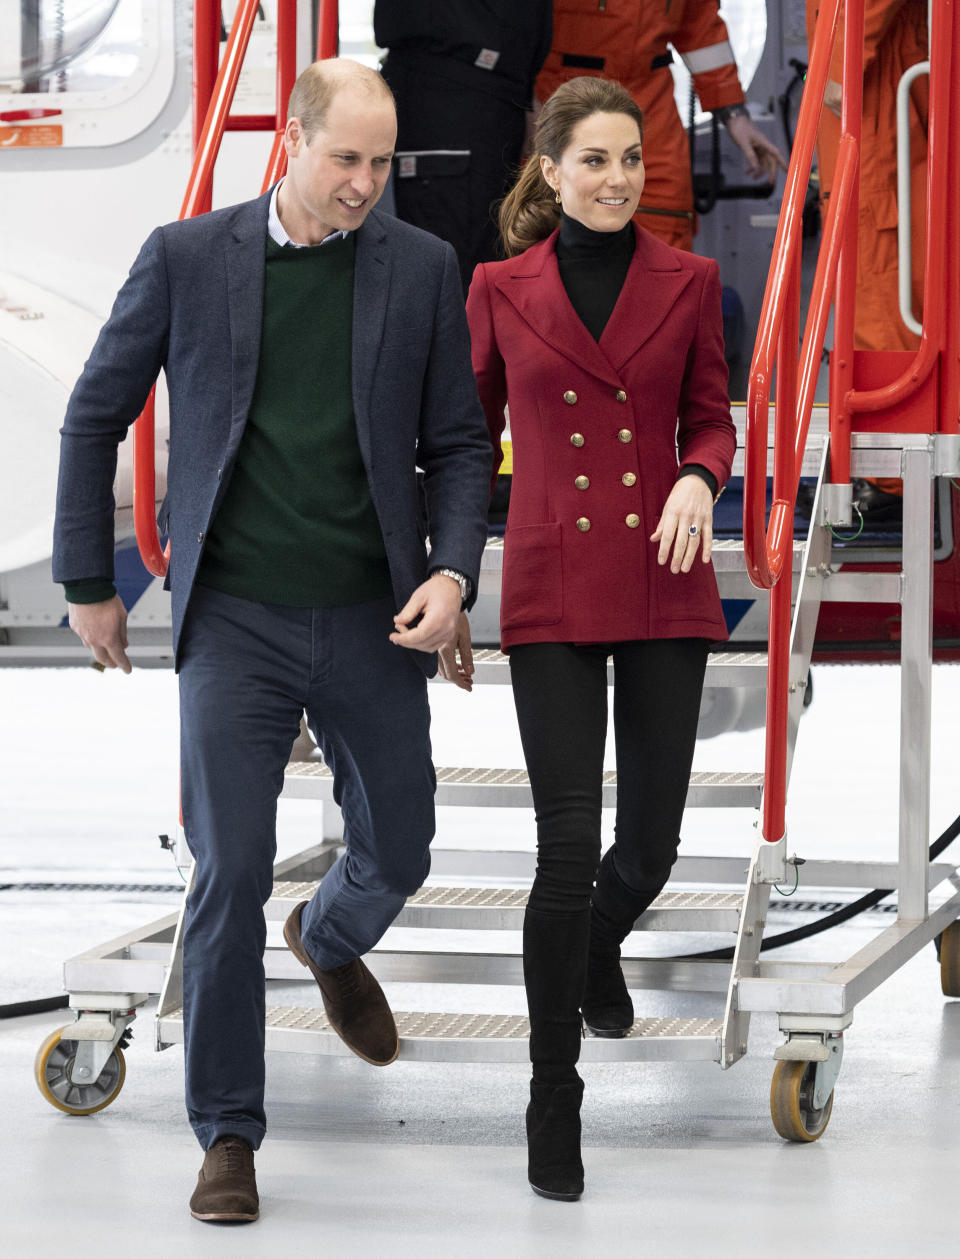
(599, 432)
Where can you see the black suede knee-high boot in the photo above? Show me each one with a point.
(615, 907)
(554, 969)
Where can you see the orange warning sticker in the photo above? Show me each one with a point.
(46, 137)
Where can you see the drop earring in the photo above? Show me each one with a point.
(556, 197)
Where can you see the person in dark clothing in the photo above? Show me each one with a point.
(612, 345)
(316, 354)
(463, 73)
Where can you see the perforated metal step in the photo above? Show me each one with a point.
(727, 555)
(501, 908)
(724, 668)
(434, 1037)
(729, 565)
(510, 788)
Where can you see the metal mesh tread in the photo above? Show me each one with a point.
(481, 1037)
(511, 787)
(502, 908)
(724, 668)
(491, 656)
(727, 555)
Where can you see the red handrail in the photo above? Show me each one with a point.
(769, 546)
(213, 95)
(328, 29)
(286, 77)
(950, 360)
(936, 296)
(766, 553)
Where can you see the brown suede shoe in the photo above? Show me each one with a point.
(356, 1007)
(227, 1186)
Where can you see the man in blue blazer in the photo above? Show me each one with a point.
(316, 356)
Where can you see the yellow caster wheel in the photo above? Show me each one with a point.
(53, 1070)
(791, 1102)
(950, 961)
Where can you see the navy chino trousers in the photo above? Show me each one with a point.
(247, 672)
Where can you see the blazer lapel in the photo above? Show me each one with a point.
(655, 279)
(371, 285)
(535, 290)
(244, 255)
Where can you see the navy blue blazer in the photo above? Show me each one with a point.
(192, 306)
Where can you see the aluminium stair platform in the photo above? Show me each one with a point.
(501, 908)
(427, 1036)
(727, 557)
(510, 788)
(724, 668)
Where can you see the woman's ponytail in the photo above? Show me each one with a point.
(529, 212)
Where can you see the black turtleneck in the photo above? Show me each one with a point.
(593, 266)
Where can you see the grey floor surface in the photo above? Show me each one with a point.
(421, 1159)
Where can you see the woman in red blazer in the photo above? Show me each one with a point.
(608, 345)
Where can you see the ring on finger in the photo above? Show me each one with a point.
(693, 530)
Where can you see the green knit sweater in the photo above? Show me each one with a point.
(297, 524)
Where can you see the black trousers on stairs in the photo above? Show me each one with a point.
(560, 691)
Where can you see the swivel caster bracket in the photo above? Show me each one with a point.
(825, 1049)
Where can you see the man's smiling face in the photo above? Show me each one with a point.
(336, 178)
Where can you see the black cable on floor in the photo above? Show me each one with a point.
(831, 920)
(18, 1009)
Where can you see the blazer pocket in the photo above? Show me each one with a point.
(689, 596)
(532, 576)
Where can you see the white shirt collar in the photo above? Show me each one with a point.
(277, 232)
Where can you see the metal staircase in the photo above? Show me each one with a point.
(469, 904)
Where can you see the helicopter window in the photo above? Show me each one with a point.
(70, 45)
(89, 76)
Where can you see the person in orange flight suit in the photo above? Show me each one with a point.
(895, 38)
(627, 40)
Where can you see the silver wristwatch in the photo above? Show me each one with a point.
(462, 581)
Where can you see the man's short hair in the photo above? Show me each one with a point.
(319, 83)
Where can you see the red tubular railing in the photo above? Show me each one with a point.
(213, 94)
(765, 550)
(211, 135)
(206, 65)
(769, 546)
(950, 360)
(936, 302)
(286, 77)
(328, 29)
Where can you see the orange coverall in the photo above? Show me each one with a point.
(895, 38)
(627, 40)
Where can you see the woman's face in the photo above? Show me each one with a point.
(600, 173)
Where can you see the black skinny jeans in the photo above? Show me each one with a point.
(560, 691)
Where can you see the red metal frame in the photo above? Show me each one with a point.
(213, 94)
(768, 546)
(328, 29)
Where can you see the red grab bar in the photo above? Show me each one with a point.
(943, 97)
(765, 551)
(768, 545)
(328, 29)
